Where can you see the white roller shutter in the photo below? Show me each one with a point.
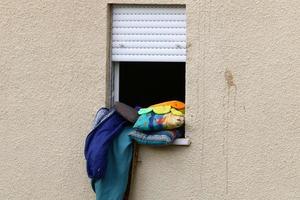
(148, 33)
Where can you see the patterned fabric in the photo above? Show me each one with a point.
(155, 138)
(155, 122)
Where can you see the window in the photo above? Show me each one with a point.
(148, 53)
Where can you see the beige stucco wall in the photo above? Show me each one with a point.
(243, 99)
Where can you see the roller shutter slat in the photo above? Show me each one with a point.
(144, 44)
(148, 23)
(150, 30)
(151, 51)
(149, 17)
(149, 58)
(148, 9)
(161, 38)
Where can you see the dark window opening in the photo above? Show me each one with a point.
(146, 83)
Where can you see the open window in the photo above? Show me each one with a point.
(148, 54)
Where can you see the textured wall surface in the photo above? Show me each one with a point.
(243, 101)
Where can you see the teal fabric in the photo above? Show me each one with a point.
(114, 183)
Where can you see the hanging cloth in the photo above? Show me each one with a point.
(114, 183)
(108, 126)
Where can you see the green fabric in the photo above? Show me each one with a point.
(114, 183)
(144, 110)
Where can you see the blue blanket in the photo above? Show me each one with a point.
(108, 124)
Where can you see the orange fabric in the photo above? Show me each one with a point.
(174, 104)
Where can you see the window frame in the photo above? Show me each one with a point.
(114, 74)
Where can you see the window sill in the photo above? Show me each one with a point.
(182, 142)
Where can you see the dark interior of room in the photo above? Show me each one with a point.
(146, 83)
